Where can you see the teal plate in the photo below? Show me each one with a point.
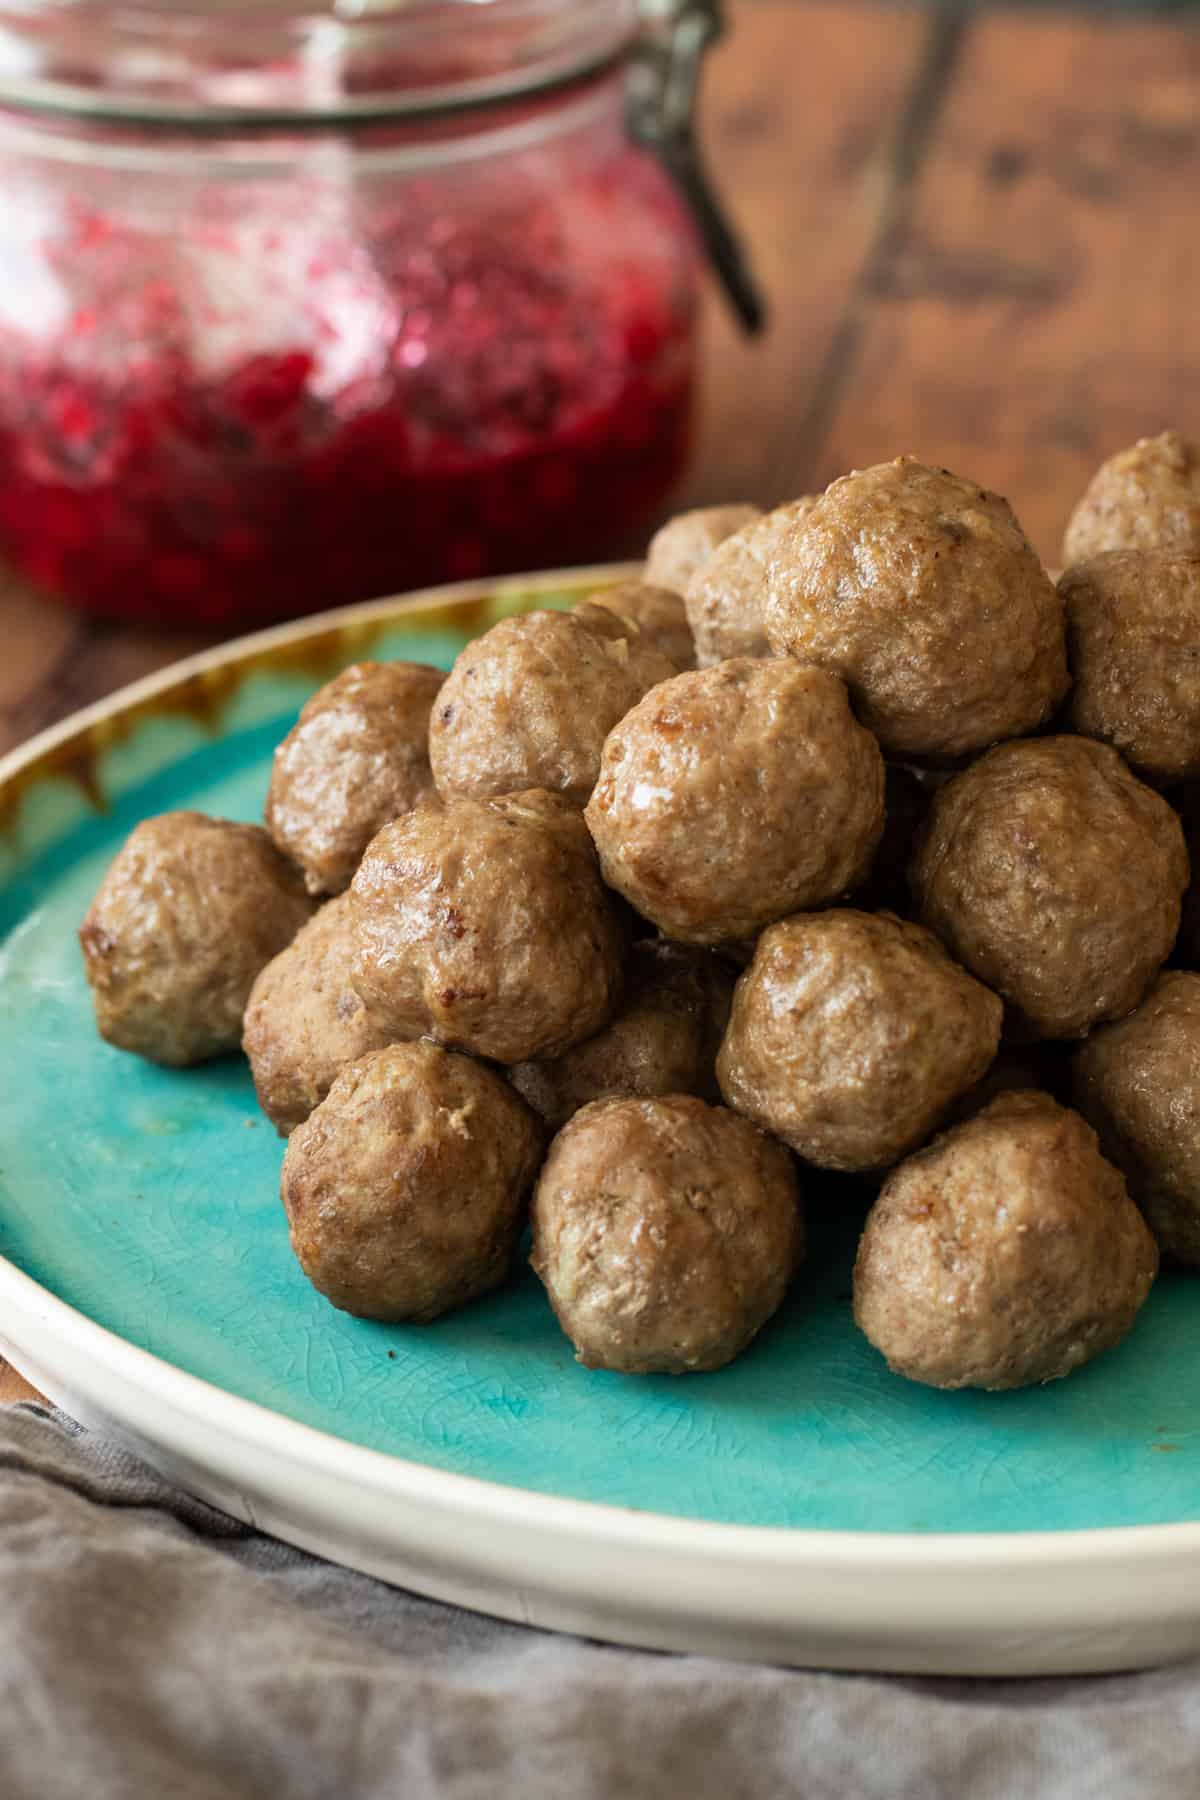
(146, 1200)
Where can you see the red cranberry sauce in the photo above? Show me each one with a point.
(459, 397)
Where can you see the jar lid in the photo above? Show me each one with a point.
(217, 65)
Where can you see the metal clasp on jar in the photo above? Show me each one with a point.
(661, 115)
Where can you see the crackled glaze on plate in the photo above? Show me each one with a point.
(148, 1200)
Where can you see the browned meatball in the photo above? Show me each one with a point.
(1138, 1081)
(1144, 498)
(665, 1232)
(357, 756)
(1006, 1253)
(685, 543)
(1133, 628)
(404, 1188)
(923, 593)
(733, 795)
(851, 1034)
(188, 913)
(304, 1021)
(658, 613)
(483, 923)
(1056, 877)
(726, 595)
(663, 1041)
(530, 703)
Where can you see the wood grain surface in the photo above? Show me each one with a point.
(1032, 309)
(977, 235)
(14, 1386)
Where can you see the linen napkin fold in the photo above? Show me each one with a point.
(153, 1649)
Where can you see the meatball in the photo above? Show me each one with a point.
(725, 596)
(851, 1034)
(733, 795)
(685, 543)
(1006, 1253)
(357, 756)
(1138, 1081)
(1133, 624)
(1056, 877)
(665, 1233)
(1145, 498)
(923, 593)
(659, 615)
(189, 912)
(530, 703)
(483, 923)
(304, 1021)
(404, 1189)
(663, 1041)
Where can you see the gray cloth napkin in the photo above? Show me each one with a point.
(152, 1649)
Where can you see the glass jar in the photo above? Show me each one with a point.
(298, 308)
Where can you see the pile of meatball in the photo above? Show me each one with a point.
(846, 840)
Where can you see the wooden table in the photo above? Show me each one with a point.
(978, 235)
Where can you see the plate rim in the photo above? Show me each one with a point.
(898, 1554)
(403, 1478)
